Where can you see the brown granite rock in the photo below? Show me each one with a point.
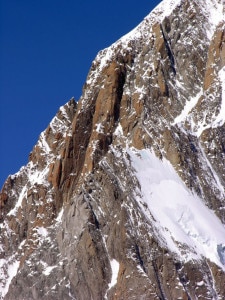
(74, 224)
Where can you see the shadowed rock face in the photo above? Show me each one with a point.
(74, 222)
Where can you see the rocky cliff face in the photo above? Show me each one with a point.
(123, 196)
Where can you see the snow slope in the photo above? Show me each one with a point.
(181, 215)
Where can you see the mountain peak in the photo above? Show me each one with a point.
(123, 195)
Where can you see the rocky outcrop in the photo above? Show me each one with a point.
(80, 221)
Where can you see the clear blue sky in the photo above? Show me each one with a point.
(46, 50)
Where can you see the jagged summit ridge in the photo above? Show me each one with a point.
(212, 13)
(123, 195)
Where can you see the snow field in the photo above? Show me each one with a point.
(181, 216)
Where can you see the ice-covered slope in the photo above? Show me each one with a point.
(180, 214)
(123, 196)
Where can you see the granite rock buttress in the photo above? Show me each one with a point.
(76, 222)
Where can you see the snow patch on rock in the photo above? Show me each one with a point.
(220, 119)
(115, 271)
(8, 275)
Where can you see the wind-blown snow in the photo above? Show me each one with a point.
(181, 215)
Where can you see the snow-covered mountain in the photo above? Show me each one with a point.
(123, 196)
